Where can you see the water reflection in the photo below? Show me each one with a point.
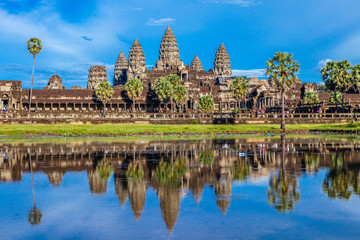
(174, 168)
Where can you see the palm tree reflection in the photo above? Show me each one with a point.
(283, 190)
(35, 215)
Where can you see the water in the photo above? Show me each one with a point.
(245, 188)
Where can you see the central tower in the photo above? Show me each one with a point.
(169, 57)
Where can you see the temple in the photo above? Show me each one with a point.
(54, 101)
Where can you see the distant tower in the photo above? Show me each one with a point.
(169, 52)
(222, 66)
(97, 74)
(196, 64)
(55, 82)
(136, 61)
(120, 70)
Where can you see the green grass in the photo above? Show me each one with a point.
(127, 129)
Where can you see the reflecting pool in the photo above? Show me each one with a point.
(238, 188)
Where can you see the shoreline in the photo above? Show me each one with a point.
(129, 130)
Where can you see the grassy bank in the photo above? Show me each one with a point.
(126, 129)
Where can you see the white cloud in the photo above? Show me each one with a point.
(160, 22)
(260, 73)
(321, 64)
(243, 3)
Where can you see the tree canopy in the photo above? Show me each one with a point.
(282, 70)
(104, 92)
(310, 98)
(164, 89)
(239, 88)
(134, 88)
(336, 75)
(180, 94)
(34, 46)
(355, 77)
(206, 104)
(337, 99)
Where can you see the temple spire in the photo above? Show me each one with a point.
(136, 60)
(120, 69)
(196, 64)
(222, 65)
(169, 52)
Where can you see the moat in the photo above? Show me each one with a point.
(277, 187)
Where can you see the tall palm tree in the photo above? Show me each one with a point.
(164, 90)
(180, 95)
(134, 89)
(336, 77)
(282, 70)
(355, 77)
(239, 88)
(34, 47)
(174, 81)
(104, 93)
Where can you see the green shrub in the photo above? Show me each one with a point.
(194, 122)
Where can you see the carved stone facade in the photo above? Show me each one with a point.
(55, 82)
(222, 66)
(120, 70)
(169, 57)
(97, 74)
(196, 64)
(136, 67)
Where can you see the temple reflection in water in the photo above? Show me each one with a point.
(180, 167)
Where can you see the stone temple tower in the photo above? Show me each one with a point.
(222, 66)
(136, 61)
(97, 74)
(169, 52)
(120, 70)
(196, 64)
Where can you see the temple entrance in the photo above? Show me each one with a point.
(4, 103)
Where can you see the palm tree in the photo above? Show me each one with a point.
(180, 95)
(355, 76)
(34, 47)
(164, 90)
(206, 104)
(104, 93)
(134, 89)
(174, 81)
(282, 71)
(239, 88)
(310, 98)
(336, 77)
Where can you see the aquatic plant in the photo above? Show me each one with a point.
(171, 173)
(206, 157)
(35, 216)
(135, 172)
(104, 169)
(240, 171)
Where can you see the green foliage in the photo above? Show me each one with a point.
(283, 192)
(163, 89)
(239, 88)
(134, 88)
(235, 111)
(34, 216)
(324, 89)
(206, 104)
(311, 162)
(180, 94)
(336, 75)
(171, 173)
(104, 169)
(194, 122)
(104, 92)
(240, 171)
(338, 98)
(207, 157)
(282, 70)
(310, 98)
(173, 79)
(34, 46)
(135, 172)
(355, 76)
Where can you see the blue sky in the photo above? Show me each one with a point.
(78, 34)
